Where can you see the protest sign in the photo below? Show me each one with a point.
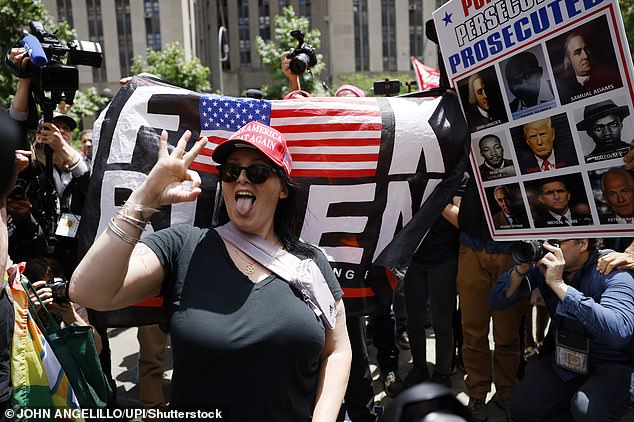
(546, 89)
(377, 172)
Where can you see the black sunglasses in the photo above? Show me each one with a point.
(256, 173)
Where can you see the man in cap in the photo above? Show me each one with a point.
(603, 122)
(524, 78)
(67, 161)
(495, 166)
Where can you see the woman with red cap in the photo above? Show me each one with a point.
(245, 339)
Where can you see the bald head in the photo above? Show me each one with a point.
(618, 191)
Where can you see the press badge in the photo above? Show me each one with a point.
(572, 352)
(67, 225)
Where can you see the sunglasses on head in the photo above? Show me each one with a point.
(256, 173)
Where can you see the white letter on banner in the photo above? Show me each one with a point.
(399, 203)
(316, 223)
(181, 213)
(412, 134)
(134, 115)
(112, 180)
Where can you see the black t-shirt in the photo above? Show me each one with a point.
(440, 244)
(251, 349)
(6, 335)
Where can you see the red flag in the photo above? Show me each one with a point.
(427, 77)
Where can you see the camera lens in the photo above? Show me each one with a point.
(299, 63)
(526, 251)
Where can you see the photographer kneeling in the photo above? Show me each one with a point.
(592, 315)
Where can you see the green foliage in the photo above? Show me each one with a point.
(365, 81)
(87, 103)
(169, 64)
(15, 16)
(271, 52)
(627, 11)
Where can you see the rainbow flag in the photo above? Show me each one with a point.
(37, 377)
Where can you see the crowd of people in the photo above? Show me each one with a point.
(247, 339)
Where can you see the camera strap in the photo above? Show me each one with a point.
(304, 275)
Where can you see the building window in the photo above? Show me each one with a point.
(388, 25)
(304, 8)
(95, 34)
(264, 20)
(152, 24)
(361, 57)
(283, 4)
(245, 34)
(416, 29)
(65, 12)
(124, 33)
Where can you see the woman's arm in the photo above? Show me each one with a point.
(115, 273)
(334, 370)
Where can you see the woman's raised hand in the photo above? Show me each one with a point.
(170, 180)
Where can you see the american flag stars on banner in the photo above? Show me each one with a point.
(327, 137)
(225, 113)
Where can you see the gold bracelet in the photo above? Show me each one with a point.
(74, 164)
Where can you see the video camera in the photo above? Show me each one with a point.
(47, 71)
(303, 56)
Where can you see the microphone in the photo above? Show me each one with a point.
(35, 50)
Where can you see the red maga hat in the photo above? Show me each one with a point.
(261, 137)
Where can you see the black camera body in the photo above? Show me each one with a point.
(19, 191)
(525, 251)
(59, 287)
(387, 87)
(302, 57)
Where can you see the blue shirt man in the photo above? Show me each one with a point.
(583, 304)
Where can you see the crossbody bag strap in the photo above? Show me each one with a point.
(304, 275)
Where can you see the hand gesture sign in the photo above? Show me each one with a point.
(170, 180)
